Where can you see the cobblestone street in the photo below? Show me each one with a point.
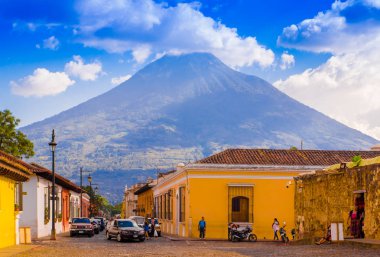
(99, 246)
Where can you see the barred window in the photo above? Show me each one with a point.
(182, 204)
(18, 196)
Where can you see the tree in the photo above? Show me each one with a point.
(13, 141)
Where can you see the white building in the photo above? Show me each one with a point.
(37, 212)
(130, 199)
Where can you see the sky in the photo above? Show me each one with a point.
(58, 54)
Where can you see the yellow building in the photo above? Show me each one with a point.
(12, 173)
(144, 205)
(244, 186)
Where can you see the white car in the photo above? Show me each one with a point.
(140, 220)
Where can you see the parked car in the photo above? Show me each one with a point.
(102, 223)
(123, 229)
(81, 226)
(140, 220)
(96, 225)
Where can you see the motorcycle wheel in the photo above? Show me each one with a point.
(252, 238)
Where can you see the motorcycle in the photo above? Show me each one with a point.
(236, 233)
(283, 235)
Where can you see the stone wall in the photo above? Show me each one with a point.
(328, 196)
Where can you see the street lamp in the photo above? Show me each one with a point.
(81, 190)
(53, 145)
(89, 179)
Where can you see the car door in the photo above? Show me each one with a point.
(110, 228)
(114, 228)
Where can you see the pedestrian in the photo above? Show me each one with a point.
(202, 228)
(275, 227)
(354, 222)
(153, 229)
(146, 229)
(325, 239)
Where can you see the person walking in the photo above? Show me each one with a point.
(202, 228)
(146, 229)
(275, 227)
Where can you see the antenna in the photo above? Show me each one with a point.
(301, 144)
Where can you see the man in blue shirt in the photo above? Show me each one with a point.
(202, 228)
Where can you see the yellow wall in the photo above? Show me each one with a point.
(7, 213)
(208, 196)
(145, 201)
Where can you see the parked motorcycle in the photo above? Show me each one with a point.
(236, 233)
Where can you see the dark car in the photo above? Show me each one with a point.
(124, 229)
(81, 226)
(102, 223)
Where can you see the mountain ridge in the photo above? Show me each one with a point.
(182, 108)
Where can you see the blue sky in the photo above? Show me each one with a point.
(57, 54)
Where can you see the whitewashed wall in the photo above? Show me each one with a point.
(33, 215)
(28, 217)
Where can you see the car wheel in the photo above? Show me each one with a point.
(108, 236)
(119, 239)
(71, 234)
(96, 231)
(142, 239)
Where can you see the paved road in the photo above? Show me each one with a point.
(99, 246)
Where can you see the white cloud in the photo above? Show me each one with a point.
(41, 83)
(51, 43)
(287, 61)
(346, 88)
(87, 72)
(128, 25)
(373, 3)
(121, 79)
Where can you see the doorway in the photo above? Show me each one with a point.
(359, 204)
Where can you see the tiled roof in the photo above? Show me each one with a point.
(282, 157)
(48, 174)
(143, 189)
(14, 168)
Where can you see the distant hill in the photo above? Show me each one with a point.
(179, 109)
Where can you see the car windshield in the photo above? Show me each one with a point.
(140, 220)
(127, 224)
(79, 220)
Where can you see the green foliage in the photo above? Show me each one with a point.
(293, 148)
(13, 141)
(356, 160)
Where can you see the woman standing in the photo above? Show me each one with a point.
(275, 227)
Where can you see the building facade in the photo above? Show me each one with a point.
(144, 195)
(250, 187)
(38, 205)
(130, 200)
(13, 172)
(329, 196)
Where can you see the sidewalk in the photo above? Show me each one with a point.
(178, 238)
(368, 243)
(13, 250)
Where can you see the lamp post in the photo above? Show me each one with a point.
(89, 179)
(53, 145)
(81, 190)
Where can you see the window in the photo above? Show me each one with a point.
(58, 206)
(170, 204)
(47, 204)
(240, 209)
(18, 196)
(181, 204)
(240, 203)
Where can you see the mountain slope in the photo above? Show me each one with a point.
(181, 108)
